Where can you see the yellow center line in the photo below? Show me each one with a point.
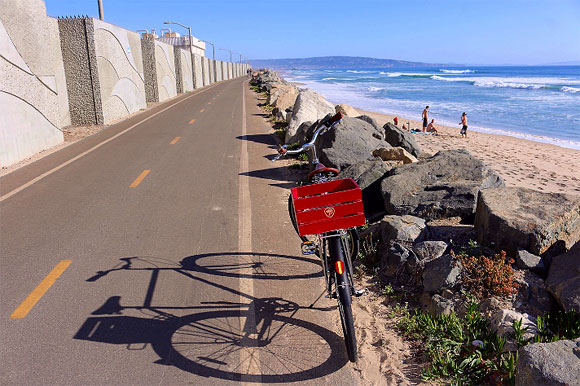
(202, 110)
(174, 140)
(193, 120)
(139, 179)
(40, 290)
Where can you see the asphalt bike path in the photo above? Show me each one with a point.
(163, 256)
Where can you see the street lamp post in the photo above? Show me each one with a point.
(213, 57)
(190, 49)
(225, 49)
(101, 15)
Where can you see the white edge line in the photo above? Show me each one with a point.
(40, 177)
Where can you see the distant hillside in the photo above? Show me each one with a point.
(334, 62)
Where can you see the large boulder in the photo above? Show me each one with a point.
(547, 364)
(428, 250)
(347, 110)
(441, 273)
(368, 175)
(533, 293)
(563, 280)
(309, 106)
(529, 261)
(502, 322)
(406, 230)
(445, 185)
(395, 154)
(283, 96)
(400, 138)
(521, 218)
(348, 142)
(396, 255)
(379, 133)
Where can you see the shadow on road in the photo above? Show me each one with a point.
(259, 138)
(261, 340)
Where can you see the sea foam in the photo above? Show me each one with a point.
(457, 71)
(518, 83)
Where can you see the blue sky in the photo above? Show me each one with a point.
(436, 31)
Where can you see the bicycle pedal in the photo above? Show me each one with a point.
(359, 293)
(308, 248)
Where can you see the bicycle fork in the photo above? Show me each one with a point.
(337, 266)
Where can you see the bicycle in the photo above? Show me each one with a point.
(329, 209)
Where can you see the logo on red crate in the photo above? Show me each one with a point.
(329, 212)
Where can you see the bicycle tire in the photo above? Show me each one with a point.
(343, 287)
(293, 218)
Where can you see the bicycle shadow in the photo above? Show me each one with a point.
(265, 139)
(264, 266)
(258, 341)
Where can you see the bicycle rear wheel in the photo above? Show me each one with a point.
(343, 287)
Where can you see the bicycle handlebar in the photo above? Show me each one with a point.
(324, 124)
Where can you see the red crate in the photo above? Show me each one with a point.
(328, 206)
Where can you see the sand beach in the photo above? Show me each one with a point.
(540, 166)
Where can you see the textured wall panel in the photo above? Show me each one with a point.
(120, 70)
(165, 63)
(80, 66)
(186, 70)
(198, 71)
(205, 64)
(33, 92)
(149, 69)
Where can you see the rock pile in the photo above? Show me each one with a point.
(415, 203)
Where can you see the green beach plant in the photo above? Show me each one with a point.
(558, 325)
(461, 350)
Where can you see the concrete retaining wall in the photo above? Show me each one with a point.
(186, 70)
(198, 71)
(212, 65)
(225, 70)
(149, 69)
(205, 65)
(80, 67)
(165, 66)
(83, 71)
(218, 71)
(120, 70)
(33, 94)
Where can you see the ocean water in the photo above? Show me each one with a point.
(537, 103)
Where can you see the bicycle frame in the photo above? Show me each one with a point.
(327, 265)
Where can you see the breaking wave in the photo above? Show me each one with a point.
(457, 71)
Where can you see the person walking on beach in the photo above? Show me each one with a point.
(463, 122)
(425, 118)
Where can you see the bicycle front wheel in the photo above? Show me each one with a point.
(343, 287)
